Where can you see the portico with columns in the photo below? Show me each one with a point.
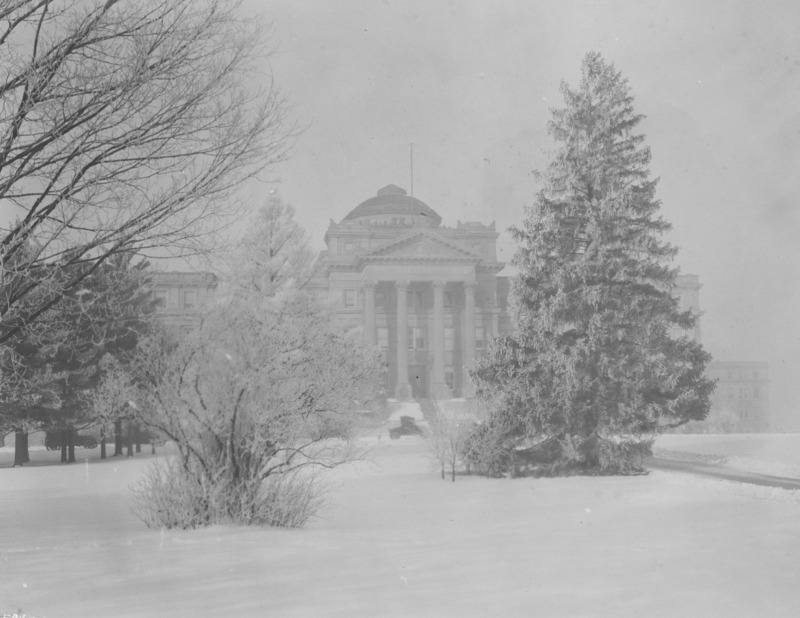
(426, 295)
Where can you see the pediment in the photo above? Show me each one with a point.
(421, 246)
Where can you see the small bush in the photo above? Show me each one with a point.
(167, 497)
(290, 500)
(624, 457)
(449, 431)
(490, 452)
(595, 455)
(486, 450)
(172, 496)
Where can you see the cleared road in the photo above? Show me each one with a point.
(710, 470)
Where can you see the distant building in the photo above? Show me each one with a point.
(743, 390)
(180, 295)
(427, 295)
(430, 297)
(742, 387)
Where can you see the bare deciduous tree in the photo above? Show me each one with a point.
(260, 390)
(449, 433)
(124, 127)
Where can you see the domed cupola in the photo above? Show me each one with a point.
(393, 204)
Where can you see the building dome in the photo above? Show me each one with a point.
(393, 202)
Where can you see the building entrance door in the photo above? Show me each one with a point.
(418, 377)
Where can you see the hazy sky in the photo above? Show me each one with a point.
(471, 84)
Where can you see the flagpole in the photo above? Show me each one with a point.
(412, 169)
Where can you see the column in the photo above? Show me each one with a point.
(369, 312)
(439, 389)
(469, 334)
(403, 388)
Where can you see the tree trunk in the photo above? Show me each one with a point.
(20, 449)
(64, 440)
(130, 439)
(118, 437)
(26, 455)
(71, 441)
(102, 442)
(138, 436)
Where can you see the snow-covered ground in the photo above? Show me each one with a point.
(775, 454)
(397, 541)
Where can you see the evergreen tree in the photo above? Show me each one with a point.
(50, 372)
(275, 251)
(599, 359)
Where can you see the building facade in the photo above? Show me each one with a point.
(179, 296)
(428, 295)
(743, 392)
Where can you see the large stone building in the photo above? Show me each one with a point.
(428, 295)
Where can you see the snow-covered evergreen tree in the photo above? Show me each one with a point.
(275, 251)
(598, 359)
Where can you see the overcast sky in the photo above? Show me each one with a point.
(471, 84)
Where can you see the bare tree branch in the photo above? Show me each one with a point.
(124, 126)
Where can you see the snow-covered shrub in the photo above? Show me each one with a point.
(289, 500)
(486, 449)
(260, 390)
(449, 431)
(171, 496)
(624, 457)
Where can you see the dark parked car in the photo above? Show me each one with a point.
(408, 427)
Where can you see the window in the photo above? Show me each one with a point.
(755, 375)
(383, 337)
(349, 247)
(186, 330)
(415, 299)
(448, 299)
(160, 298)
(449, 344)
(479, 337)
(190, 299)
(448, 379)
(349, 299)
(756, 393)
(416, 338)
